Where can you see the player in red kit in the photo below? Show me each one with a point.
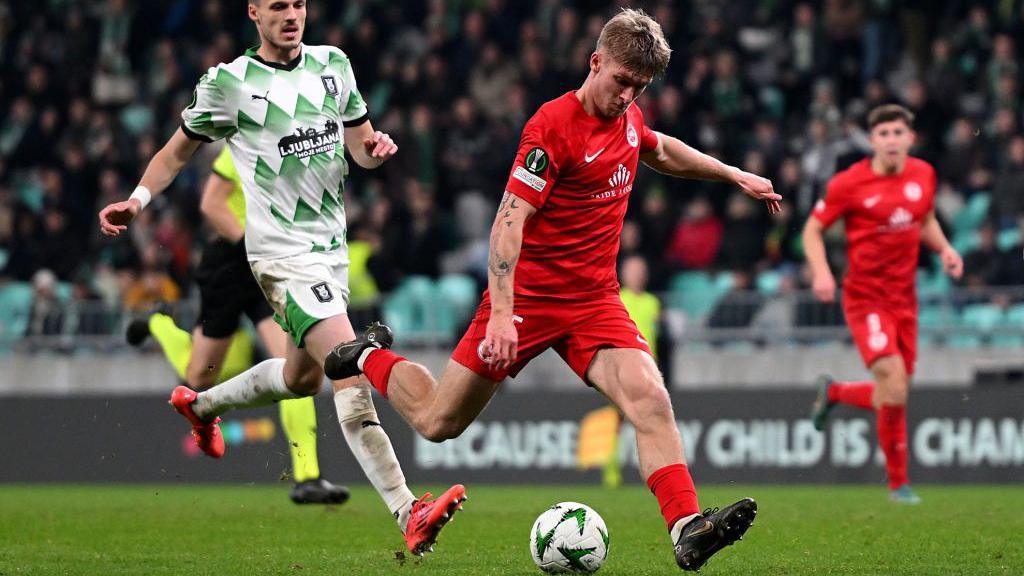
(887, 202)
(552, 280)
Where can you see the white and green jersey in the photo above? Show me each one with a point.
(283, 123)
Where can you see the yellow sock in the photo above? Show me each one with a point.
(298, 418)
(175, 342)
(239, 356)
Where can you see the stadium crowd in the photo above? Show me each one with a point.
(90, 89)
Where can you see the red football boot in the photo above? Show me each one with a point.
(427, 517)
(206, 434)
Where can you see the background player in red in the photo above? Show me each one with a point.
(887, 203)
(552, 280)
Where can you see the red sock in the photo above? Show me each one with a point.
(856, 394)
(892, 437)
(673, 488)
(377, 368)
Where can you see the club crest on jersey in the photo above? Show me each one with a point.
(322, 292)
(536, 161)
(912, 190)
(330, 85)
(310, 141)
(632, 137)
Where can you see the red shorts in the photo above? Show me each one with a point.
(880, 331)
(575, 329)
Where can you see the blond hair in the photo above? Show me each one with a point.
(635, 40)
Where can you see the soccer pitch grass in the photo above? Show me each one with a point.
(255, 530)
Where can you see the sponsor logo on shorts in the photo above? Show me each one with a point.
(531, 180)
(322, 292)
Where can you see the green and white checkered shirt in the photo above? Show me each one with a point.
(284, 125)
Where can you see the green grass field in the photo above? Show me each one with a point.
(255, 530)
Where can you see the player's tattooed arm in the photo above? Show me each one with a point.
(506, 244)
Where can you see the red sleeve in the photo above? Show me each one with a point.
(535, 169)
(833, 206)
(648, 139)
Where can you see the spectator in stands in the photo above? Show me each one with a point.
(981, 263)
(47, 315)
(697, 237)
(88, 90)
(736, 309)
(152, 287)
(1008, 187)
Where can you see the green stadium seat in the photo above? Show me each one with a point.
(694, 292)
(964, 241)
(973, 213)
(15, 308)
(406, 309)
(1013, 323)
(980, 320)
(1008, 238)
(933, 320)
(769, 282)
(932, 284)
(456, 297)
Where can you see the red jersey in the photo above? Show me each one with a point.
(577, 170)
(883, 216)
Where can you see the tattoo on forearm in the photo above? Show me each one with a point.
(501, 265)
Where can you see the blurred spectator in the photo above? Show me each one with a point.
(91, 90)
(739, 305)
(151, 288)
(1008, 187)
(981, 263)
(697, 237)
(47, 315)
(643, 307)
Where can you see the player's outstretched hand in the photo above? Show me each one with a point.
(952, 263)
(115, 218)
(759, 188)
(824, 288)
(501, 343)
(380, 145)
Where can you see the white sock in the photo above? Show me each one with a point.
(363, 356)
(260, 385)
(372, 448)
(678, 527)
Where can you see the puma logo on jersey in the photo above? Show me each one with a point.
(588, 158)
(265, 96)
(873, 201)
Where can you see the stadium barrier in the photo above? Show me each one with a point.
(956, 436)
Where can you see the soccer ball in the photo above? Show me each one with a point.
(569, 537)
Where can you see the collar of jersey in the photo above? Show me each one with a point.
(292, 65)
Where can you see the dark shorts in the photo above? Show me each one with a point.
(227, 289)
(575, 330)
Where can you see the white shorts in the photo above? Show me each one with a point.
(304, 289)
